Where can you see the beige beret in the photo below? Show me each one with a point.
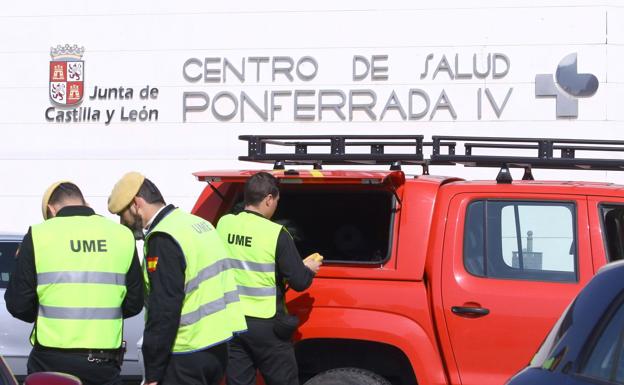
(124, 190)
(46, 197)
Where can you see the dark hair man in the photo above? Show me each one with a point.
(264, 256)
(77, 277)
(192, 306)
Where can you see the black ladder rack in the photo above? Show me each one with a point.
(335, 149)
(550, 153)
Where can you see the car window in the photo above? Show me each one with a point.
(521, 240)
(7, 261)
(606, 360)
(6, 377)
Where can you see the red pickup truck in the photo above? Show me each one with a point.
(427, 279)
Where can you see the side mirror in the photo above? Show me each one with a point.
(51, 378)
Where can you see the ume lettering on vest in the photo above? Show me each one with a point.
(241, 240)
(88, 245)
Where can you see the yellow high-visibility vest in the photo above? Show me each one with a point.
(81, 264)
(252, 240)
(211, 311)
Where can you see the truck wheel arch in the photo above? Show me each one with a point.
(330, 333)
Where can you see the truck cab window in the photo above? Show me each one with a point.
(521, 240)
(613, 231)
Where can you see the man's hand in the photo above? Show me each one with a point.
(313, 262)
(315, 257)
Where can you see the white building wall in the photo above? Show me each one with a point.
(140, 43)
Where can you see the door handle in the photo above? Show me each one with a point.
(470, 311)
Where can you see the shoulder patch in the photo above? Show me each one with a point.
(152, 262)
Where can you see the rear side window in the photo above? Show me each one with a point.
(7, 261)
(521, 240)
(613, 230)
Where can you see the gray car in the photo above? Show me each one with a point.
(14, 334)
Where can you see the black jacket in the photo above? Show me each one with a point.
(21, 293)
(164, 303)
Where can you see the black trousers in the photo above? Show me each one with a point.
(259, 348)
(90, 373)
(206, 367)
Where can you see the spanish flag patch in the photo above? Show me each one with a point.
(152, 262)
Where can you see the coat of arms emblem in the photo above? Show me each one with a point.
(66, 75)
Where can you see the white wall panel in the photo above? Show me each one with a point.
(139, 43)
(331, 28)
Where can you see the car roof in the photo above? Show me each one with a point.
(557, 187)
(6, 236)
(616, 265)
(561, 183)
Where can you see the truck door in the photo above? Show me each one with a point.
(510, 267)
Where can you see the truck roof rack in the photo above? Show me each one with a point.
(527, 153)
(586, 154)
(336, 149)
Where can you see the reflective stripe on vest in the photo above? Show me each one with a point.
(81, 264)
(225, 264)
(257, 291)
(80, 313)
(81, 277)
(211, 311)
(209, 308)
(251, 241)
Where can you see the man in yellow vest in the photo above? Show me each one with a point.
(77, 277)
(193, 306)
(264, 257)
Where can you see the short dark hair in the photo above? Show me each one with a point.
(64, 191)
(258, 187)
(150, 192)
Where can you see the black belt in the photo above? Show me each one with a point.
(100, 354)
